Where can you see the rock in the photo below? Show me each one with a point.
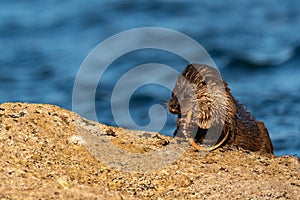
(49, 152)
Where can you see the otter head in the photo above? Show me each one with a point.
(201, 91)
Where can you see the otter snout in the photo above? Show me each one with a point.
(173, 106)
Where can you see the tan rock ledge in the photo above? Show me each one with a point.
(51, 153)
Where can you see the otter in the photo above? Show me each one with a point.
(210, 117)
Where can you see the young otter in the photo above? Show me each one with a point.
(209, 113)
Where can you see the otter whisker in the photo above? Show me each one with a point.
(164, 103)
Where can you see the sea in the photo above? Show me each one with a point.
(255, 45)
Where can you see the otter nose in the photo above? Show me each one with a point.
(173, 107)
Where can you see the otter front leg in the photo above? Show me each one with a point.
(185, 127)
(188, 128)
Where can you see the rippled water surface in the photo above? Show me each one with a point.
(254, 43)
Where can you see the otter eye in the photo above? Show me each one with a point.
(174, 96)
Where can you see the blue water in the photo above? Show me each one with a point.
(256, 45)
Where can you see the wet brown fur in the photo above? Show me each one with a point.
(201, 90)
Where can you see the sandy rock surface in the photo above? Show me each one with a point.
(51, 153)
